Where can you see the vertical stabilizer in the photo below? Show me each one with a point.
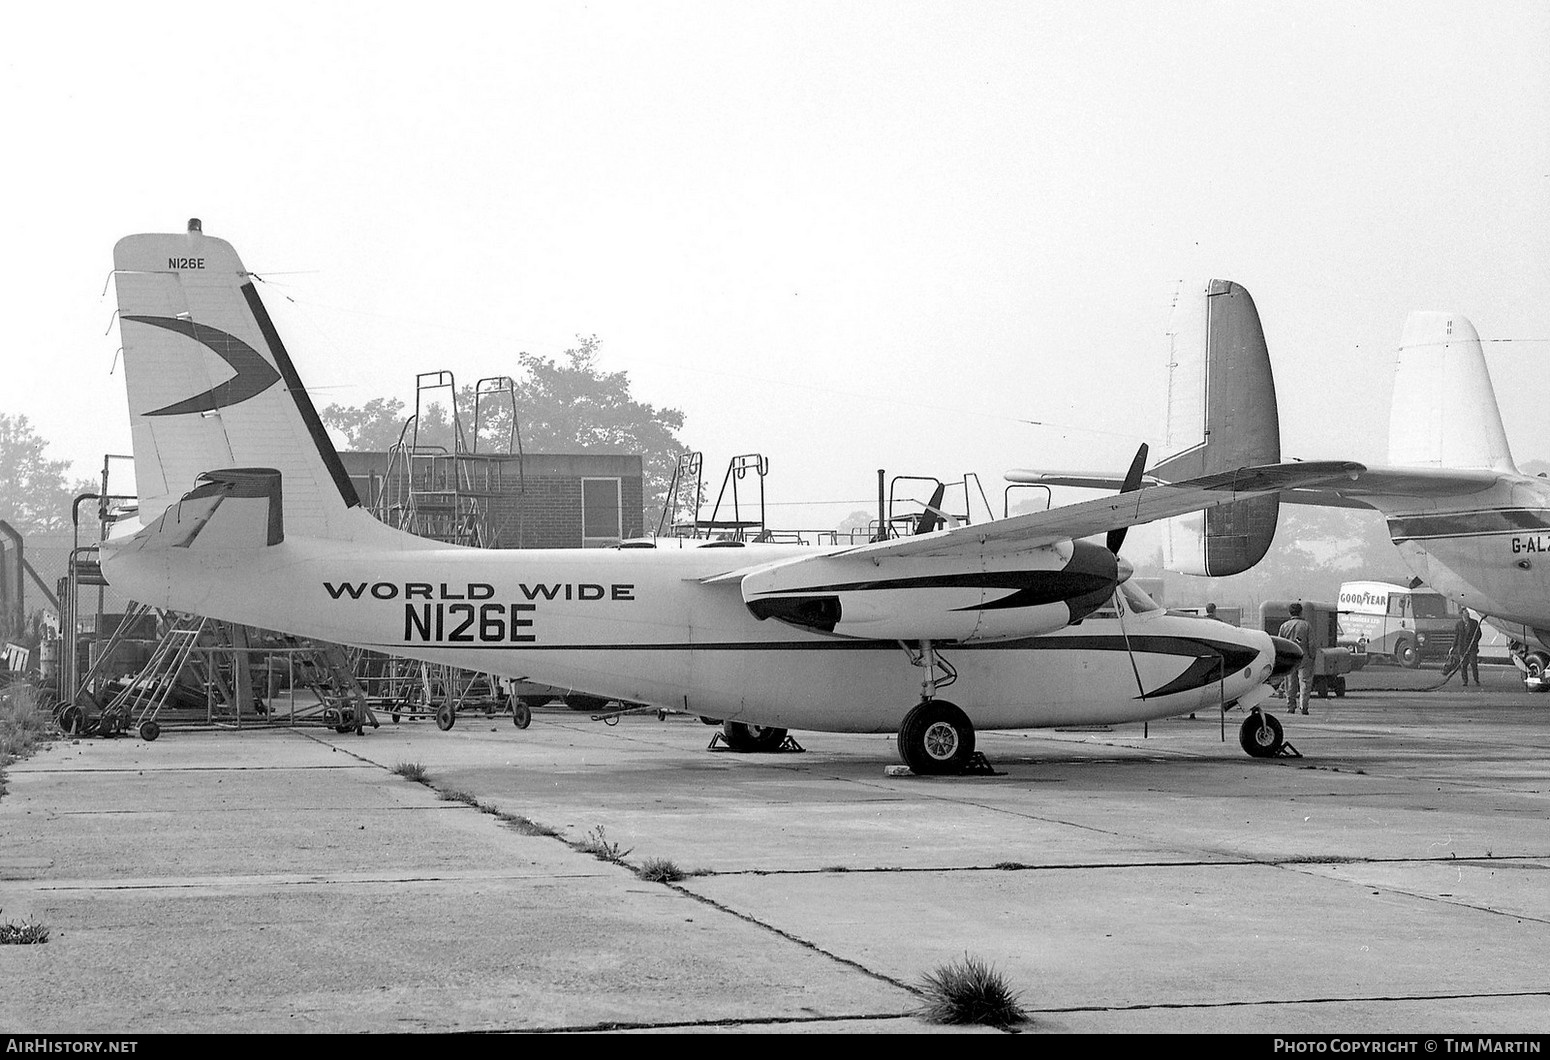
(1222, 416)
(1444, 411)
(212, 387)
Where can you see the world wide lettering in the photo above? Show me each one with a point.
(477, 591)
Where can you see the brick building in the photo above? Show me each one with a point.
(542, 500)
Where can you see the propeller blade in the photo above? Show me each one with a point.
(1132, 483)
(931, 518)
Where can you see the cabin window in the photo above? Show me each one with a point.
(601, 513)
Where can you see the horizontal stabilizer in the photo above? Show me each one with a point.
(1041, 529)
(234, 508)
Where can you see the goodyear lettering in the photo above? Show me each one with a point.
(467, 613)
(185, 263)
(1531, 543)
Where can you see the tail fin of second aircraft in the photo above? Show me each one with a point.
(1444, 411)
(1222, 416)
(211, 386)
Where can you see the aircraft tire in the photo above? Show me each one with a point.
(446, 717)
(936, 739)
(1536, 664)
(1406, 653)
(521, 715)
(1260, 735)
(741, 737)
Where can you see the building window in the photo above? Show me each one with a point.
(601, 511)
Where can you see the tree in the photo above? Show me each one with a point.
(562, 406)
(35, 497)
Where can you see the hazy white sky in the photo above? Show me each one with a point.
(846, 235)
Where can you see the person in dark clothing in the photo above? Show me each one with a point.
(1466, 646)
(1299, 683)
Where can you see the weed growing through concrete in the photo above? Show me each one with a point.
(24, 724)
(411, 771)
(22, 933)
(458, 796)
(524, 826)
(597, 844)
(660, 870)
(970, 991)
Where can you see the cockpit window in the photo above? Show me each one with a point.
(1137, 600)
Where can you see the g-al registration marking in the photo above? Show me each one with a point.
(1532, 543)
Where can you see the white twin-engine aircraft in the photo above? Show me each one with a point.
(246, 514)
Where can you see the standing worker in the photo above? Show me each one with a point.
(1299, 683)
(1466, 646)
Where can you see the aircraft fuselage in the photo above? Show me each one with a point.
(642, 626)
(1489, 551)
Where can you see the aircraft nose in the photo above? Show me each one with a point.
(1288, 655)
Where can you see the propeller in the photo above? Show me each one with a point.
(1116, 539)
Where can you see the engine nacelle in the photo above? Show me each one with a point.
(915, 598)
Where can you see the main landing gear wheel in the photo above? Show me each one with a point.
(936, 739)
(446, 717)
(1536, 666)
(741, 737)
(521, 715)
(1260, 735)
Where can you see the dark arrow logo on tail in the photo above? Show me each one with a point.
(254, 374)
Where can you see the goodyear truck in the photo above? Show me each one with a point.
(1396, 622)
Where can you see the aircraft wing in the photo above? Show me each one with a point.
(1418, 482)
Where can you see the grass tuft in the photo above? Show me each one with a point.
(414, 771)
(24, 724)
(597, 844)
(660, 870)
(22, 933)
(523, 826)
(970, 991)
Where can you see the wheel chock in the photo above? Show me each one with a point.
(787, 746)
(1287, 750)
(977, 766)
